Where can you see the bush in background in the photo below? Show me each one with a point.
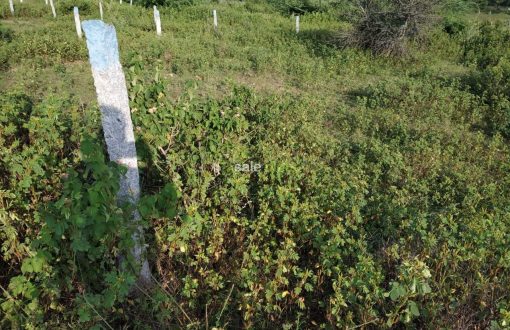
(488, 53)
(385, 27)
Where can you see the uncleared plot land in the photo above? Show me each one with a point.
(288, 180)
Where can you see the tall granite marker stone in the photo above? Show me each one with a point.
(113, 101)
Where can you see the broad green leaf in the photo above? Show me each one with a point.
(414, 308)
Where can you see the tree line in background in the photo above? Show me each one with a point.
(484, 3)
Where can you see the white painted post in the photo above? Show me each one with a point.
(130, 2)
(11, 7)
(53, 9)
(157, 20)
(120, 1)
(20, 1)
(297, 24)
(46, 1)
(77, 21)
(101, 9)
(215, 19)
(113, 102)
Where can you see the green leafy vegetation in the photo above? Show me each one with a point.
(286, 182)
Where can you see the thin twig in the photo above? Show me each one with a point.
(14, 300)
(172, 298)
(206, 318)
(83, 295)
(102, 318)
(362, 325)
(225, 304)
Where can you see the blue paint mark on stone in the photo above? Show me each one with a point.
(102, 44)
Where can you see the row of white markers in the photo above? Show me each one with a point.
(54, 12)
(157, 18)
(50, 2)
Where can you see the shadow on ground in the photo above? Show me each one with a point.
(321, 42)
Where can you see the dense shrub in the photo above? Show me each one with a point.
(34, 9)
(45, 49)
(75, 244)
(65, 7)
(385, 27)
(487, 47)
(6, 34)
(36, 144)
(454, 26)
(295, 6)
(167, 3)
(488, 51)
(485, 3)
